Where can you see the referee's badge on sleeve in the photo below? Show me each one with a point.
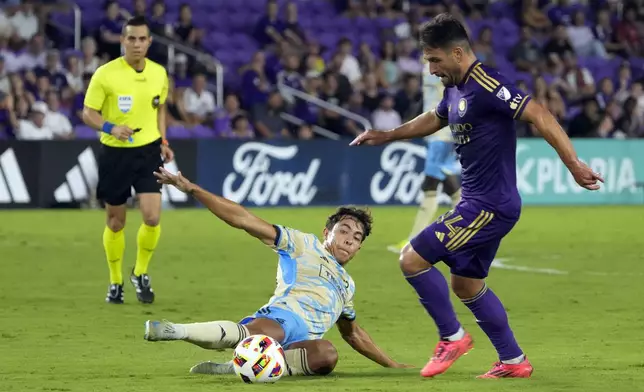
(125, 103)
(156, 101)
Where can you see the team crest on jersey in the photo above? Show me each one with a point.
(462, 107)
(503, 94)
(125, 103)
(156, 101)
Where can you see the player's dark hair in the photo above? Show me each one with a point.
(362, 215)
(442, 32)
(136, 21)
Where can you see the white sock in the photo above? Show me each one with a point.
(297, 362)
(460, 334)
(213, 334)
(456, 197)
(515, 361)
(425, 214)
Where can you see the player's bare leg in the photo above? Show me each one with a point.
(114, 245)
(147, 239)
(493, 320)
(303, 358)
(434, 295)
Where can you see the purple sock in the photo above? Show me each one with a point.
(493, 320)
(432, 289)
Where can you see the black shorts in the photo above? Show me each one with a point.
(120, 169)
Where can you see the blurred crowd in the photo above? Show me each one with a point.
(581, 59)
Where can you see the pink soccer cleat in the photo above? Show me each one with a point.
(445, 354)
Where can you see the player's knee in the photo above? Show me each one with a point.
(411, 262)
(326, 358)
(151, 219)
(466, 288)
(115, 222)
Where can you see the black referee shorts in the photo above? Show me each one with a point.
(120, 169)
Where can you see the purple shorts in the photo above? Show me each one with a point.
(465, 238)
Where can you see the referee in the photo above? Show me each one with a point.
(125, 102)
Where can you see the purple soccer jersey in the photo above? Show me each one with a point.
(481, 112)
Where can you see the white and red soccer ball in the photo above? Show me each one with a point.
(259, 359)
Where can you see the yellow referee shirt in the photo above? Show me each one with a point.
(124, 96)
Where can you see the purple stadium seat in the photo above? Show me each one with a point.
(202, 132)
(176, 132)
(85, 132)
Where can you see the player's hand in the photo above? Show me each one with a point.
(121, 132)
(585, 176)
(166, 153)
(176, 180)
(371, 138)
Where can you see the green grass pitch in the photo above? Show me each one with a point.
(581, 324)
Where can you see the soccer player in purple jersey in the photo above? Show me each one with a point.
(480, 107)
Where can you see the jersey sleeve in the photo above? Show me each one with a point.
(95, 95)
(348, 312)
(442, 108)
(290, 241)
(501, 94)
(164, 89)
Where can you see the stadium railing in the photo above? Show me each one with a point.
(205, 59)
(315, 128)
(290, 91)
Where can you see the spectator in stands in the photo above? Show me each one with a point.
(540, 90)
(140, 8)
(407, 61)
(560, 12)
(74, 73)
(254, 83)
(181, 75)
(293, 32)
(387, 9)
(557, 47)
(533, 17)
(582, 39)
(314, 60)
(19, 91)
(344, 85)
(580, 82)
(331, 119)
(43, 86)
(408, 101)
(25, 22)
(350, 65)
(185, 31)
(35, 56)
(175, 113)
(225, 115)
(159, 26)
(6, 29)
(387, 70)
(90, 60)
(53, 70)
(637, 93)
(366, 58)
(628, 32)
(198, 102)
(5, 83)
(56, 120)
(240, 128)
(370, 92)
(606, 34)
(386, 117)
(290, 76)
(109, 31)
(304, 110)
(269, 29)
(586, 123)
(267, 118)
(557, 105)
(483, 47)
(608, 125)
(78, 101)
(355, 105)
(605, 93)
(624, 79)
(34, 127)
(526, 54)
(631, 123)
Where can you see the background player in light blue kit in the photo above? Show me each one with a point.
(441, 165)
(313, 292)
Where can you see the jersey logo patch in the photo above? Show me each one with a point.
(125, 103)
(503, 94)
(515, 101)
(462, 107)
(156, 101)
(440, 236)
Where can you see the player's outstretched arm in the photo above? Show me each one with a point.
(421, 126)
(228, 211)
(359, 340)
(550, 129)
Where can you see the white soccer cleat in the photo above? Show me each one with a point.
(156, 331)
(213, 368)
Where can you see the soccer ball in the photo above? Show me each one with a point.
(259, 358)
